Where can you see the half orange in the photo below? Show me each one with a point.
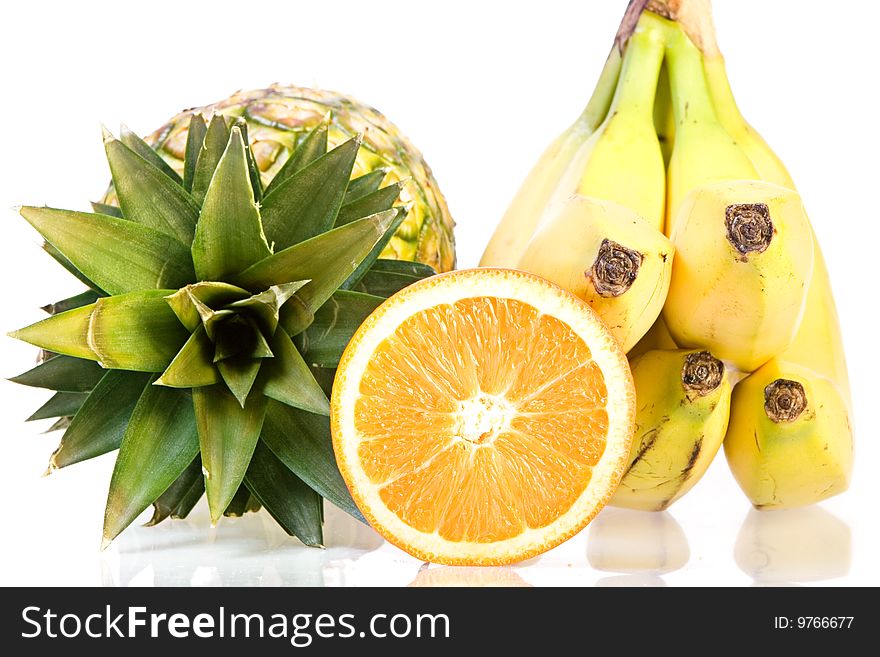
(481, 417)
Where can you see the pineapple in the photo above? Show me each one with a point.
(278, 119)
(218, 307)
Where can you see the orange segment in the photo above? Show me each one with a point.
(482, 417)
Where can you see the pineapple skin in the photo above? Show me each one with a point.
(280, 116)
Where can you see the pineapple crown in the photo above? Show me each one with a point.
(214, 308)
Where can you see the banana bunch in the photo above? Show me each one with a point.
(668, 213)
(590, 215)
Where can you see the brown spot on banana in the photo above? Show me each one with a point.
(784, 400)
(615, 269)
(749, 227)
(652, 436)
(692, 459)
(701, 374)
(685, 474)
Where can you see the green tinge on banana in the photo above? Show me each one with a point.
(703, 152)
(623, 161)
(789, 442)
(744, 257)
(608, 256)
(683, 399)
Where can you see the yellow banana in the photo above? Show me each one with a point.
(683, 406)
(657, 337)
(608, 256)
(703, 152)
(789, 440)
(818, 343)
(744, 257)
(519, 222)
(622, 161)
(744, 250)
(600, 235)
(781, 462)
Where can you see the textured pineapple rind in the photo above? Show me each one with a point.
(280, 115)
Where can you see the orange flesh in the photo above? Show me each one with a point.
(481, 419)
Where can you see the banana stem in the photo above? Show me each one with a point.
(722, 95)
(639, 73)
(695, 18)
(691, 100)
(597, 108)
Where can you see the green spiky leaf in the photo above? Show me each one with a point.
(212, 149)
(191, 498)
(148, 196)
(65, 333)
(239, 375)
(266, 306)
(104, 208)
(160, 441)
(68, 265)
(228, 434)
(324, 376)
(76, 301)
(185, 302)
(375, 252)
(287, 378)
(328, 260)
(306, 204)
(143, 149)
(99, 424)
(60, 424)
(403, 267)
(363, 185)
(384, 283)
(118, 255)
(313, 146)
(302, 442)
(229, 236)
(195, 139)
(63, 373)
(335, 322)
(190, 483)
(193, 365)
(59, 405)
(253, 170)
(135, 331)
(295, 506)
(239, 504)
(378, 201)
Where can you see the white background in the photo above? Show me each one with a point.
(481, 88)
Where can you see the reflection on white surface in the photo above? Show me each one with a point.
(793, 545)
(620, 548)
(248, 551)
(468, 576)
(642, 543)
(640, 580)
